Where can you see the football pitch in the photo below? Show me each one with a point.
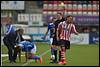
(78, 55)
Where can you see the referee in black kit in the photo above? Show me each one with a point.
(60, 18)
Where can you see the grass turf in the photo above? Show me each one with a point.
(78, 55)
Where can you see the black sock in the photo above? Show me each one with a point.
(52, 51)
(59, 55)
(55, 53)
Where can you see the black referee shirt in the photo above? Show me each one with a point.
(56, 23)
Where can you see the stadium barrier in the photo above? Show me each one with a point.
(93, 38)
(83, 38)
(39, 37)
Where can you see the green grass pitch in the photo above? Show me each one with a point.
(78, 55)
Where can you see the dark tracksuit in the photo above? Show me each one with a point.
(17, 41)
(10, 41)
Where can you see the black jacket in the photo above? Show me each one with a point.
(56, 25)
(16, 39)
(13, 38)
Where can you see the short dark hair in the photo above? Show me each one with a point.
(19, 30)
(68, 16)
(60, 13)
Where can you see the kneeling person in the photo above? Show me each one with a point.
(30, 49)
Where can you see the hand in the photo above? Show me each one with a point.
(5, 34)
(16, 46)
(76, 33)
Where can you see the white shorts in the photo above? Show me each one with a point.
(21, 45)
(51, 40)
(33, 51)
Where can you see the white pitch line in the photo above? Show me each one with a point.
(2, 59)
(40, 56)
(5, 55)
(45, 53)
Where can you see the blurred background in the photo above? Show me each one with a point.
(33, 17)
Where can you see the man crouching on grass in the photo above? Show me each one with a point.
(30, 50)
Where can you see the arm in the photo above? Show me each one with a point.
(9, 29)
(18, 38)
(74, 30)
(57, 34)
(58, 31)
(22, 39)
(46, 33)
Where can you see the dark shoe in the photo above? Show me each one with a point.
(55, 62)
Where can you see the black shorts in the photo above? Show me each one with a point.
(55, 42)
(66, 43)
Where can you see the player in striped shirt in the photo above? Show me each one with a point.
(64, 31)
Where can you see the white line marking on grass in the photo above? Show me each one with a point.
(5, 55)
(40, 56)
(1, 61)
(45, 53)
(4, 59)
